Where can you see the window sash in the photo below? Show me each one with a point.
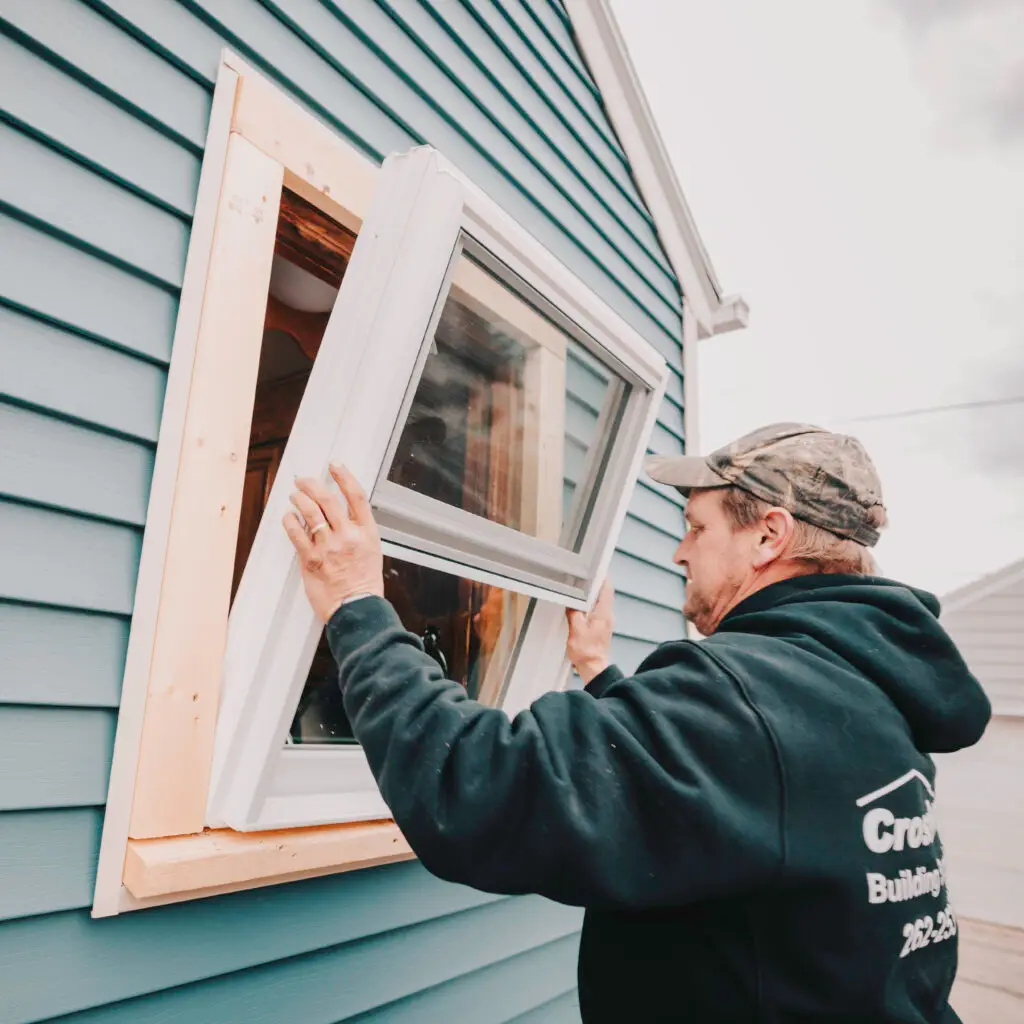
(385, 315)
(417, 520)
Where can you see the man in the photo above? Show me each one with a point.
(748, 819)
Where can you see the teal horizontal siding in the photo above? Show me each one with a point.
(32, 261)
(103, 112)
(51, 189)
(54, 757)
(47, 368)
(92, 49)
(51, 462)
(66, 561)
(349, 980)
(524, 56)
(99, 134)
(52, 656)
(170, 31)
(508, 126)
(563, 1009)
(47, 860)
(563, 71)
(489, 50)
(489, 995)
(66, 962)
(558, 32)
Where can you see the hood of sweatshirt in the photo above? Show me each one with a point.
(888, 632)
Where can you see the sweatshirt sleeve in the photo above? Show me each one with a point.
(654, 790)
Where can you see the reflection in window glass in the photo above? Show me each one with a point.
(504, 422)
(469, 628)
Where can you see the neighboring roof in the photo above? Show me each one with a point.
(984, 619)
(603, 47)
(968, 594)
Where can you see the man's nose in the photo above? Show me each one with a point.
(679, 558)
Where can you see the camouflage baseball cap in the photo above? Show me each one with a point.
(824, 479)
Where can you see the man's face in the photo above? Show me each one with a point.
(717, 560)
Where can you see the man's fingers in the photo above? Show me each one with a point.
(308, 508)
(605, 600)
(297, 535)
(358, 504)
(329, 504)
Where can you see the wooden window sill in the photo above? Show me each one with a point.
(223, 859)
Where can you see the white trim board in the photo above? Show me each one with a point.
(134, 691)
(604, 49)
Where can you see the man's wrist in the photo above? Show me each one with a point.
(591, 669)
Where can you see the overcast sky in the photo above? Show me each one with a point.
(856, 171)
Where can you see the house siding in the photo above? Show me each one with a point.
(981, 803)
(990, 635)
(981, 789)
(103, 114)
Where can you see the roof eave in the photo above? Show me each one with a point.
(604, 50)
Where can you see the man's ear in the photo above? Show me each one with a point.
(776, 532)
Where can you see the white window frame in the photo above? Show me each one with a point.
(422, 210)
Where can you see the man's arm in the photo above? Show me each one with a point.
(655, 790)
(661, 791)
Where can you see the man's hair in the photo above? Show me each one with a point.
(816, 549)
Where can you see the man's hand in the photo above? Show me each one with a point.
(339, 549)
(590, 635)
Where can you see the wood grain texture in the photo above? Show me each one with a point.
(188, 648)
(312, 240)
(336, 177)
(156, 867)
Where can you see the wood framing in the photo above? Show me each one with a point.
(188, 648)
(208, 695)
(162, 745)
(108, 889)
(192, 864)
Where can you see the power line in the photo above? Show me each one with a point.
(952, 406)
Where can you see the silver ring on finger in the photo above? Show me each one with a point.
(316, 529)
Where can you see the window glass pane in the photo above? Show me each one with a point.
(511, 415)
(469, 628)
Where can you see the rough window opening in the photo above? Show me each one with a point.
(452, 441)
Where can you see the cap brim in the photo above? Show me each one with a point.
(684, 472)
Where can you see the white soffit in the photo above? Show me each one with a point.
(604, 49)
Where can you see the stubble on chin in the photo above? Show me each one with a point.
(697, 611)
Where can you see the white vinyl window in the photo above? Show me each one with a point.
(496, 411)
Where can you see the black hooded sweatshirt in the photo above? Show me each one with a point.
(748, 819)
